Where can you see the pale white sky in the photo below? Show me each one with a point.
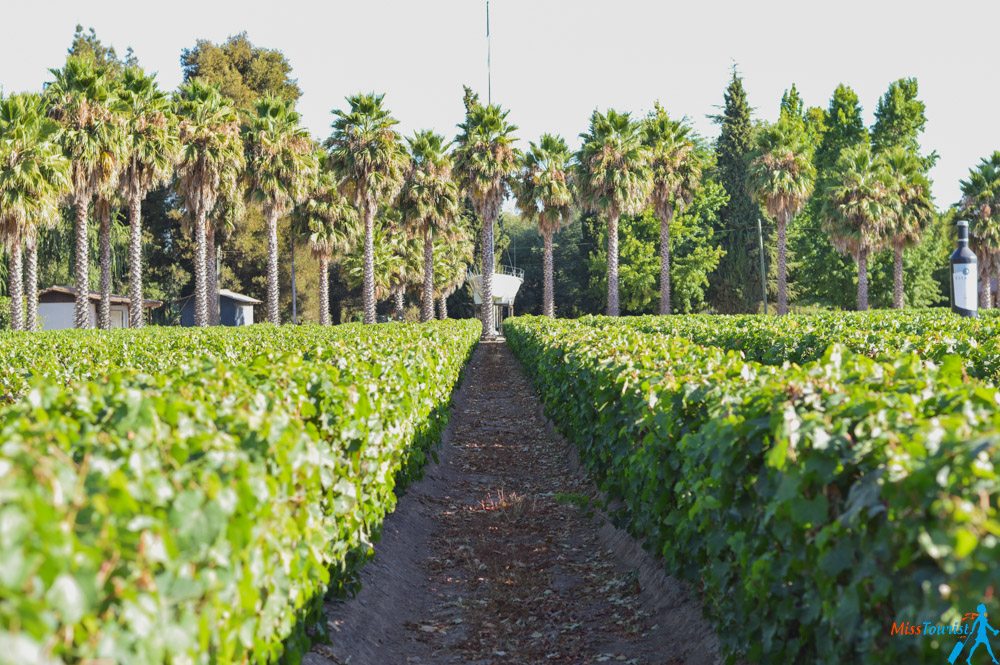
(554, 61)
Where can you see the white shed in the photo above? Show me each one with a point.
(56, 306)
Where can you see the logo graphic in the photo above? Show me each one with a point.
(976, 636)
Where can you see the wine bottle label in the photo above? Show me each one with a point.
(964, 282)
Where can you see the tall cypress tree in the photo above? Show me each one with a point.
(820, 273)
(736, 282)
(791, 104)
(900, 118)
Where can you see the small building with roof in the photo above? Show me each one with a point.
(235, 309)
(56, 307)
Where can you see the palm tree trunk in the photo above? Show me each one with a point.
(488, 214)
(782, 224)
(398, 308)
(137, 313)
(81, 306)
(548, 292)
(212, 275)
(295, 299)
(443, 307)
(324, 291)
(200, 272)
(31, 284)
(863, 280)
(613, 308)
(665, 215)
(427, 295)
(272, 266)
(995, 294)
(985, 294)
(15, 284)
(368, 283)
(897, 276)
(104, 240)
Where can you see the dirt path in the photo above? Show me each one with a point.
(498, 556)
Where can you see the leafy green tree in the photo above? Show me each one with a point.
(212, 155)
(860, 198)
(822, 274)
(980, 205)
(87, 44)
(899, 118)
(452, 258)
(242, 71)
(734, 283)
(367, 153)
(392, 250)
(613, 179)
(35, 175)
(431, 201)
(81, 100)
(152, 146)
(486, 161)
(899, 121)
(913, 214)
(280, 162)
(695, 254)
(675, 167)
(782, 177)
(544, 195)
(332, 222)
(845, 130)
(792, 105)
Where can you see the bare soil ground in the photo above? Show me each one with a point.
(500, 555)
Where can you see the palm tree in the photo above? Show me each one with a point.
(980, 205)
(367, 153)
(452, 258)
(211, 156)
(860, 198)
(151, 148)
(229, 211)
(388, 261)
(915, 211)
(409, 270)
(485, 161)
(544, 194)
(332, 222)
(676, 172)
(280, 163)
(34, 176)
(430, 199)
(81, 100)
(782, 177)
(614, 179)
(103, 208)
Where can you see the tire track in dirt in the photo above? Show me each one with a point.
(499, 555)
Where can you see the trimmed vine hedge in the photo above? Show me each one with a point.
(880, 334)
(196, 513)
(812, 506)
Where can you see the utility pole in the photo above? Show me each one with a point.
(763, 268)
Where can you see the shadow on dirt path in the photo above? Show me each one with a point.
(499, 555)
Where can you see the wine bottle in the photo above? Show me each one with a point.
(964, 276)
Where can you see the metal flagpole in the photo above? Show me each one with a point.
(489, 77)
(489, 100)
